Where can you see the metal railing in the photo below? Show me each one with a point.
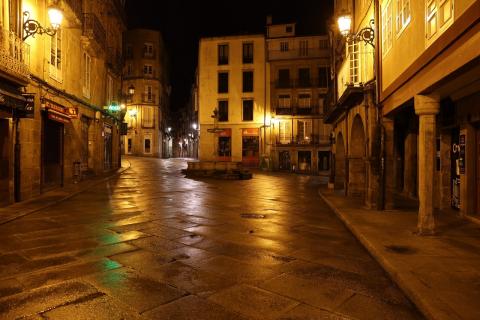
(93, 29)
(312, 109)
(148, 98)
(14, 54)
(313, 139)
(114, 60)
(301, 83)
(298, 53)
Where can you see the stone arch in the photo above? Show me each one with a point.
(357, 153)
(339, 162)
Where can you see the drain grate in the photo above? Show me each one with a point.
(400, 249)
(253, 216)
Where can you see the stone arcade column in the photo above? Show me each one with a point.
(426, 107)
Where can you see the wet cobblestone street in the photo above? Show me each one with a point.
(151, 244)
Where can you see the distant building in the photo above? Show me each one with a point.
(146, 70)
(299, 69)
(232, 96)
(55, 125)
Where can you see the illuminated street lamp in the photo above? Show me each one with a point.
(31, 27)
(366, 34)
(194, 126)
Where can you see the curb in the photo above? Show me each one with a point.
(120, 171)
(415, 298)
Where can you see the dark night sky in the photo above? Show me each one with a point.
(183, 23)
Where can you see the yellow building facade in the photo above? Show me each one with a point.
(233, 103)
(146, 71)
(54, 120)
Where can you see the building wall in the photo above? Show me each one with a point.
(135, 75)
(208, 96)
(65, 89)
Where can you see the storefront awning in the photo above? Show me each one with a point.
(12, 99)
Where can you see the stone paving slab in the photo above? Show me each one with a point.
(439, 273)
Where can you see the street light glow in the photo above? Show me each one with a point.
(56, 16)
(344, 24)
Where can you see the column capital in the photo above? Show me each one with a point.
(426, 105)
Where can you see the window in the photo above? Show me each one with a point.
(323, 160)
(224, 149)
(247, 81)
(323, 76)
(284, 78)
(148, 96)
(55, 69)
(439, 14)
(247, 110)
(303, 48)
(304, 77)
(403, 14)
(129, 51)
(285, 132)
(304, 130)
(87, 61)
(223, 110)
(148, 49)
(353, 61)
(248, 52)
(148, 116)
(387, 27)
(284, 101)
(222, 54)
(147, 148)
(284, 46)
(148, 70)
(223, 82)
(304, 100)
(289, 29)
(323, 44)
(129, 69)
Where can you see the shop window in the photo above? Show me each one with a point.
(224, 147)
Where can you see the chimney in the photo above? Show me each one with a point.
(269, 20)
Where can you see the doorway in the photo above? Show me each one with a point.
(340, 163)
(4, 162)
(356, 172)
(52, 153)
(284, 160)
(250, 151)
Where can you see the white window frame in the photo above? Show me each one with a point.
(87, 74)
(148, 70)
(403, 15)
(148, 49)
(304, 101)
(149, 93)
(148, 117)
(55, 68)
(304, 130)
(285, 131)
(387, 27)
(437, 14)
(284, 101)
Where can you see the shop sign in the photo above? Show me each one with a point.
(29, 105)
(73, 112)
(225, 133)
(56, 111)
(250, 132)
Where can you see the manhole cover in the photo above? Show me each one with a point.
(253, 216)
(400, 249)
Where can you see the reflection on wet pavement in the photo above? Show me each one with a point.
(151, 244)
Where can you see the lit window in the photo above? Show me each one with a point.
(55, 69)
(439, 15)
(285, 132)
(283, 46)
(147, 117)
(387, 27)
(403, 14)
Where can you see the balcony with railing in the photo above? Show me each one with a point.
(354, 73)
(93, 30)
(299, 110)
(114, 60)
(302, 140)
(148, 98)
(14, 56)
(301, 83)
(298, 54)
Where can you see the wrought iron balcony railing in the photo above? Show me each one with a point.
(312, 139)
(14, 55)
(148, 98)
(114, 60)
(93, 29)
(300, 110)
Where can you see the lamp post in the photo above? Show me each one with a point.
(31, 27)
(366, 34)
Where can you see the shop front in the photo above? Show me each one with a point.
(250, 147)
(224, 145)
(54, 119)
